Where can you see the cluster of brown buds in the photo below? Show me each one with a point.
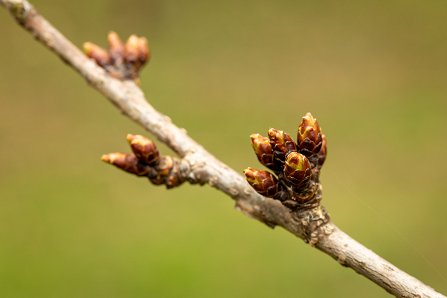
(121, 60)
(146, 161)
(296, 166)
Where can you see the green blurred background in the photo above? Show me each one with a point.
(373, 73)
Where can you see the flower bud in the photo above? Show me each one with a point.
(297, 169)
(263, 150)
(101, 57)
(144, 149)
(265, 183)
(282, 144)
(127, 162)
(131, 48)
(309, 135)
(116, 46)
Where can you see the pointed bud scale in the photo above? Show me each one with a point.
(263, 150)
(116, 46)
(282, 144)
(126, 162)
(144, 149)
(323, 152)
(97, 53)
(297, 169)
(309, 136)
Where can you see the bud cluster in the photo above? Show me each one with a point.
(146, 161)
(296, 166)
(121, 60)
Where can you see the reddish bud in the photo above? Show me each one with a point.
(309, 135)
(265, 183)
(97, 53)
(116, 46)
(297, 169)
(144, 149)
(174, 178)
(162, 170)
(126, 162)
(282, 144)
(131, 48)
(167, 172)
(263, 150)
(136, 51)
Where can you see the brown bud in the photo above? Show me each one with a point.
(97, 53)
(144, 53)
(323, 152)
(265, 183)
(174, 178)
(131, 48)
(309, 136)
(116, 46)
(144, 149)
(297, 169)
(166, 172)
(162, 170)
(127, 162)
(282, 144)
(263, 150)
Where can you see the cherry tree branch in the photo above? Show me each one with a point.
(199, 166)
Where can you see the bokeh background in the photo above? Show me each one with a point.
(373, 73)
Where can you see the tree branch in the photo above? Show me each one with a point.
(199, 166)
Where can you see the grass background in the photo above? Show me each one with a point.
(373, 73)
